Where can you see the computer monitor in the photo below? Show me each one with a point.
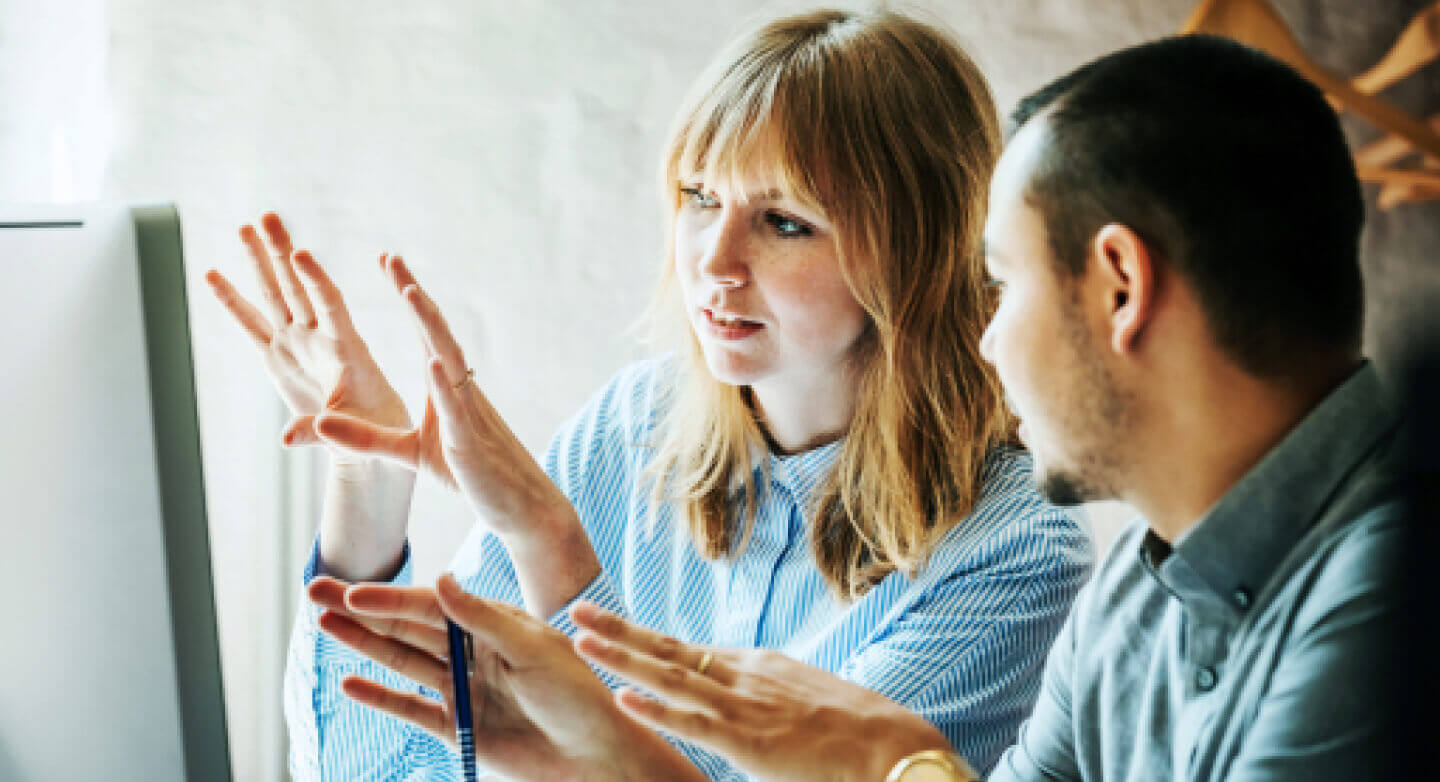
(109, 660)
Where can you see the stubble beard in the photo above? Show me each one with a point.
(1096, 416)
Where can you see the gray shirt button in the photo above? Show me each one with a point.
(1205, 679)
(1242, 597)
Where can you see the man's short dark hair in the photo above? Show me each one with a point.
(1234, 171)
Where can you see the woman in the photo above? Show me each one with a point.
(822, 468)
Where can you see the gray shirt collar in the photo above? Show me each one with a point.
(1233, 550)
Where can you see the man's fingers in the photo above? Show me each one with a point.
(409, 661)
(417, 604)
(265, 274)
(696, 726)
(295, 297)
(244, 313)
(661, 648)
(330, 305)
(676, 681)
(357, 435)
(411, 707)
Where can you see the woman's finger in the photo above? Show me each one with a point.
(663, 649)
(244, 313)
(513, 634)
(290, 287)
(676, 681)
(437, 332)
(395, 270)
(328, 592)
(399, 274)
(409, 661)
(417, 604)
(300, 431)
(330, 303)
(265, 274)
(363, 437)
(696, 726)
(449, 407)
(415, 709)
(417, 634)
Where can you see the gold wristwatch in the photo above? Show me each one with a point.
(932, 765)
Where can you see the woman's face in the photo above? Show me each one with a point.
(760, 275)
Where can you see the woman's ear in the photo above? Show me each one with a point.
(1125, 280)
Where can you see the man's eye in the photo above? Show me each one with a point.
(997, 285)
(788, 226)
(694, 196)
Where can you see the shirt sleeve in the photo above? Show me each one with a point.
(1045, 748)
(969, 656)
(333, 737)
(1306, 726)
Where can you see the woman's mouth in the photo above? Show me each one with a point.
(729, 327)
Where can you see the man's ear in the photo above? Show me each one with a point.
(1127, 281)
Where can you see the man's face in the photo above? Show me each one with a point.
(1048, 350)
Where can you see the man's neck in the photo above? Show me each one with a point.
(1211, 433)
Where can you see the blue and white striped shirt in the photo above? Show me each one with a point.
(962, 644)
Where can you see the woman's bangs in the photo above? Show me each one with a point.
(753, 126)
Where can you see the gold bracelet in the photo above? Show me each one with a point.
(932, 765)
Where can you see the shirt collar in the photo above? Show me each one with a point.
(1232, 551)
(800, 474)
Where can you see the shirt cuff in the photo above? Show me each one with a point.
(313, 567)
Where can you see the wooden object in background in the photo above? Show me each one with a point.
(1257, 24)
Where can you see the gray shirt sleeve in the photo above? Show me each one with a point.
(1045, 748)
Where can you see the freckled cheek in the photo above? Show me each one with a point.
(825, 316)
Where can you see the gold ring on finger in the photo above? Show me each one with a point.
(469, 376)
(705, 660)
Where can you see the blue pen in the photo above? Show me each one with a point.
(460, 677)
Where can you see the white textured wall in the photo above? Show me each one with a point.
(508, 149)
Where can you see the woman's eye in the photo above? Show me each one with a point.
(694, 196)
(788, 226)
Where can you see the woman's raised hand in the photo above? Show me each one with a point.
(461, 441)
(465, 444)
(318, 362)
(314, 356)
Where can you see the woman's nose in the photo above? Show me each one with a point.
(724, 260)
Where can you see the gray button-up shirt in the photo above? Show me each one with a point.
(1255, 648)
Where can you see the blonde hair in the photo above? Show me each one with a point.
(885, 125)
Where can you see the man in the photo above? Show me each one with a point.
(1174, 230)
